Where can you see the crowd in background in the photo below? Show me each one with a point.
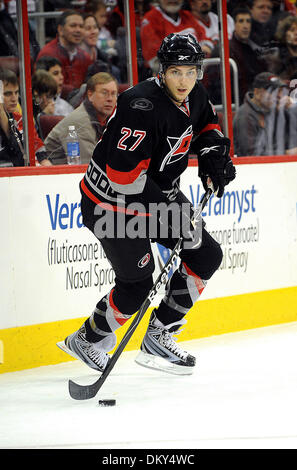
(82, 66)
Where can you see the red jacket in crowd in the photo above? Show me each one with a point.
(156, 25)
(75, 68)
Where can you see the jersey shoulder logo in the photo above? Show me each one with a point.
(142, 103)
(179, 146)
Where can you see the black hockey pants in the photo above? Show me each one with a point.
(133, 264)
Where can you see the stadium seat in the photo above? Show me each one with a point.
(10, 63)
(66, 89)
(123, 87)
(47, 122)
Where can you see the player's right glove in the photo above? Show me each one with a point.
(215, 163)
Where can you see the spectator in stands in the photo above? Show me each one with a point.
(44, 90)
(284, 123)
(9, 36)
(141, 8)
(65, 47)
(255, 127)
(263, 28)
(244, 51)
(89, 119)
(116, 18)
(11, 126)
(168, 17)
(89, 45)
(112, 38)
(208, 20)
(292, 112)
(279, 13)
(284, 63)
(54, 67)
(105, 40)
(90, 38)
(290, 7)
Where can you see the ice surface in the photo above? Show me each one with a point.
(242, 395)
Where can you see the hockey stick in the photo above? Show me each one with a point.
(85, 392)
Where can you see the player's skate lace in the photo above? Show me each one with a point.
(159, 349)
(92, 350)
(93, 355)
(169, 341)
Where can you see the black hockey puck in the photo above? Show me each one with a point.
(107, 402)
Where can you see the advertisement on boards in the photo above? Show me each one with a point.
(55, 269)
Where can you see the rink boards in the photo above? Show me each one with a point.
(53, 270)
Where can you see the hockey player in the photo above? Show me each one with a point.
(139, 159)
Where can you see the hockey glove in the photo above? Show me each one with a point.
(215, 163)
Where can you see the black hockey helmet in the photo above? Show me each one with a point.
(181, 49)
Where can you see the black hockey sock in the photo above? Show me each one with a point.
(116, 307)
(96, 325)
(167, 315)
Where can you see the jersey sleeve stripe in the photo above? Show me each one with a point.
(211, 127)
(126, 177)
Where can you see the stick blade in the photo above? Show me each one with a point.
(82, 392)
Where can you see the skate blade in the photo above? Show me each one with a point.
(158, 363)
(62, 345)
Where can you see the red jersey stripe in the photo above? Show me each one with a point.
(126, 177)
(211, 127)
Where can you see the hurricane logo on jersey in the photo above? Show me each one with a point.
(179, 146)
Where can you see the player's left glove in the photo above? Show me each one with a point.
(215, 163)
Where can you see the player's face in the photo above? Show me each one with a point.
(104, 98)
(10, 97)
(180, 80)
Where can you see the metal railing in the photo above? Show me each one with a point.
(217, 61)
(41, 16)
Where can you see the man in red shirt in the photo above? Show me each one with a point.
(161, 21)
(65, 47)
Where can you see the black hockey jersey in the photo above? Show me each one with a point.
(144, 148)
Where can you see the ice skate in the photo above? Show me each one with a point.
(93, 354)
(160, 351)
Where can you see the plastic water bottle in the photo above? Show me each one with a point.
(73, 151)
